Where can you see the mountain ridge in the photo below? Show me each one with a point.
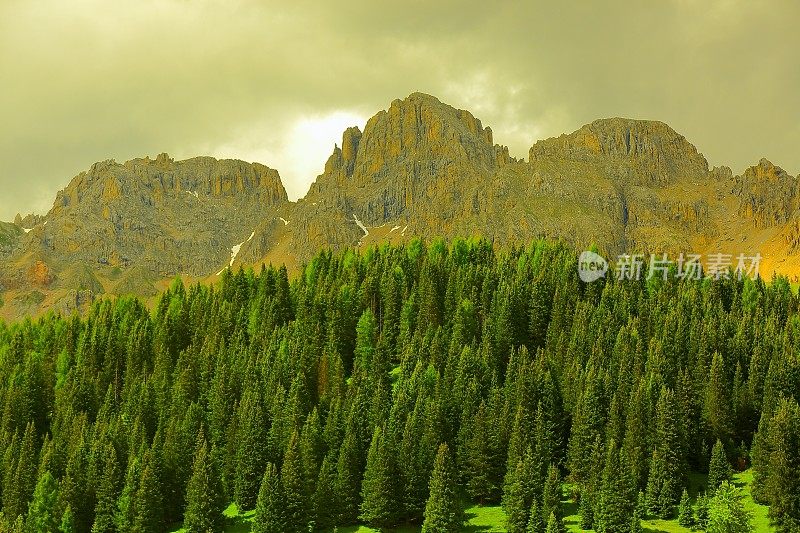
(419, 168)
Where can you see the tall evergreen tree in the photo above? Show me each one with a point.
(685, 511)
(378, 490)
(42, 517)
(294, 488)
(67, 522)
(251, 457)
(616, 504)
(204, 498)
(666, 465)
(107, 494)
(719, 470)
(269, 516)
(443, 511)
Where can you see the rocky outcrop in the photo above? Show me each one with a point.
(153, 217)
(767, 194)
(419, 168)
(404, 157)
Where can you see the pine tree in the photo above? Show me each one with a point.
(685, 511)
(782, 468)
(616, 503)
(67, 522)
(204, 499)
(107, 494)
(515, 500)
(641, 505)
(554, 524)
(551, 495)
(325, 499)
(149, 499)
(719, 470)
(126, 504)
(348, 477)
(586, 510)
(295, 497)
(443, 511)
(269, 516)
(250, 453)
(726, 512)
(718, 405)
(535, 522)
(521, 491)
(42, 516)
(636, 522)
(378, 492)
(702, 511)
(666, 465)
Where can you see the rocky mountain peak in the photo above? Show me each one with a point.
(652, 152)
(416, 145)
(150, 181)
(767, 194)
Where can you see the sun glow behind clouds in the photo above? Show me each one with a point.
(299, 154)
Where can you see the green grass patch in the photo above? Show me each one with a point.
(491, 518)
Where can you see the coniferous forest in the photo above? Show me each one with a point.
(398, 386)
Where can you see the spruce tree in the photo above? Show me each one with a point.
(325, 499)
(107, 494)
(443, 513)
(535, 522)
(666, 464)
(67, 522)
(586, 510)
(702, 511)
(719, 470)
(149, 499)
(515, 499)
(204, 498)
(718, 405)
(616, 503)
(251, 450)
(348, 478)
(378, 490)
(727, 513)
(521, 491)
(42, 517)
(295, 496)
(551, 495)
(269, 515)
(685, 511)
(554, 524)
(782, 469)
(636, 522)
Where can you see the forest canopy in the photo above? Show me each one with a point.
(396, 385)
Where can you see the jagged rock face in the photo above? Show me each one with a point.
(9, 235)
(152, 218)
(419, 168)
(181, 217)
(416, 150)
(767, 194)
(645, 152)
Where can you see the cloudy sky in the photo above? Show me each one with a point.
(277, 82)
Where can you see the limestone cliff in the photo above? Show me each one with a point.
(419, 168)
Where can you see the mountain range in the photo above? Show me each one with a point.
(420, 168)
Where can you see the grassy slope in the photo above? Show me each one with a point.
(492, 519)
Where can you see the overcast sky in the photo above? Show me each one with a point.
(277, 82)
